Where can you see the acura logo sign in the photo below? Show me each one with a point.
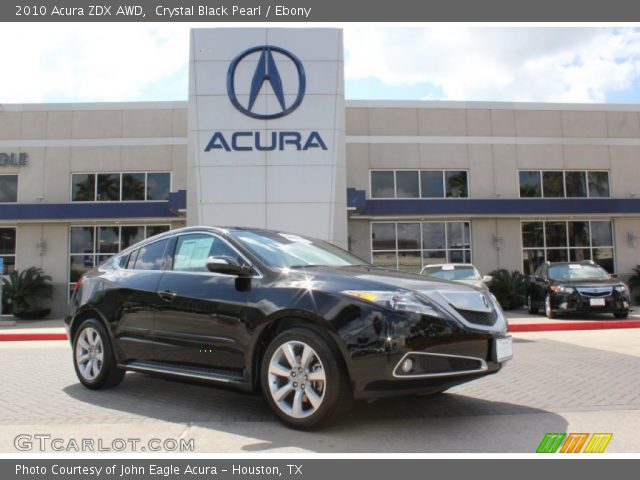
(267, 71)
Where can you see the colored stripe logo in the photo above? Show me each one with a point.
(558, 442)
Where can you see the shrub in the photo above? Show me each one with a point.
(510, 288)
(26, 290)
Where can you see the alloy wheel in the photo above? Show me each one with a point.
(89, 354)
(297, 379)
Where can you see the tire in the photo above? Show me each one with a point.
(623, 314)
(93, 341)
(547, 307)
(288, 397)
(532, 310)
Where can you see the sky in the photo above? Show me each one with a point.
(58, 62)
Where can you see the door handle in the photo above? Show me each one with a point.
(167, 295)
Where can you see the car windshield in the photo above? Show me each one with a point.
(450, 272)
(284, 250)
(577, 271)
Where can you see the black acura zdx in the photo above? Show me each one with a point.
(570, 287)
(307, 323)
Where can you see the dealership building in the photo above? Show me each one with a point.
(267, 139)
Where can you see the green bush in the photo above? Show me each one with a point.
(510, 288)
(26, 290)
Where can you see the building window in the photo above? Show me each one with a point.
(92, 245)
(8, 249)
(8, 188)
(409, 246)
(562, 241)
(563, 184)
(120, 187)
(419, 184)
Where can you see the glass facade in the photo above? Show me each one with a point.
(120, 187)
(561, 184)
(92, 245)
(409, 246)
(562, 241)
(8, 188)
(419, 184)
(8, 249)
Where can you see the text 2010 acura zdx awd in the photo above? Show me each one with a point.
(308, 324)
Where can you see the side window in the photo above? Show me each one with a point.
(151, 256)
(132, 259)
(192, 252)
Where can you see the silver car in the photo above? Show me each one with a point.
(458, 272)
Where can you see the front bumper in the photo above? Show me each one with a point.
(445, 353)
(576, 303)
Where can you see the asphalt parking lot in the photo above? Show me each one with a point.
(584, 381)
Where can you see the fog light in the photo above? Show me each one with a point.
(407, 365)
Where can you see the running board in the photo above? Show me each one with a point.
(201, 373)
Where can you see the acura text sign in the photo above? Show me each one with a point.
(266, 130)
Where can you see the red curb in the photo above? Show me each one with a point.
(516, 327)
(16, 337)
(586, 325)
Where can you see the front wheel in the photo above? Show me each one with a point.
(303, 380)
(93, 357)
(623, 314)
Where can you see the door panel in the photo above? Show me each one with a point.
(200, 319)
(131, 300)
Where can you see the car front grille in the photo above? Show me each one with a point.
(479, 318)
(595, 292)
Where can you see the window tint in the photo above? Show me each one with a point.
(192, 252)
(108, 187)
(158, 185)
(8, 188)
(132, 259)
(83, 188)
(530, 184)
(407, 184)
(151, 256)
(575, 183)
(552, 184)
(431, 184)
(598, 184)
(382, 185)
(133, 186)
(456, 182)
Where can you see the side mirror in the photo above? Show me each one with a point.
(228, 266)
(487, 278)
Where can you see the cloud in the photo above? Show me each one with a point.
(58, 62)
(83, 62)
(559, 64)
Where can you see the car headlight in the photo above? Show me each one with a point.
(621, 289)
(561, 289)
(399, 300)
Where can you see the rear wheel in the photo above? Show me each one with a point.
(547, 307)
(623, 314)
(93, 357)
(303, 380)
(530, 307)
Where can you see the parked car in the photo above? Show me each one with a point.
(568, 287)
(458, 272)
(305, 322)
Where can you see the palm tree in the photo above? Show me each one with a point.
(25, 290)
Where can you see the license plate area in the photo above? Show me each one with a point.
(597, 302)
(503, 348)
